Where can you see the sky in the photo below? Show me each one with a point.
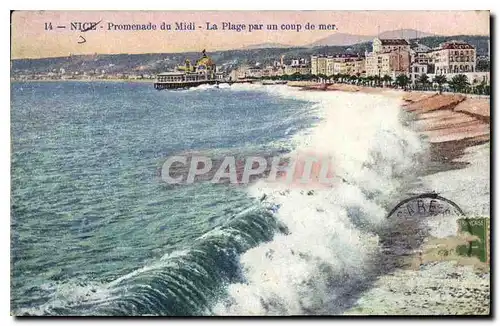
(31, 39)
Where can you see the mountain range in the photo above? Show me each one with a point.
(344, 39)
(266, 46)
(340, 39)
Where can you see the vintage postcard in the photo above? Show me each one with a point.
(250, 163)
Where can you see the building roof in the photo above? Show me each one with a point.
(420, 48)
(419, 64)
(347, 55)
(340, 56)
(205, 60)
(397, 41)
(456, 45)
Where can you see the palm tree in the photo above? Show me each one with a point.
(480, 89)
(423, 79)
(387, 80)
(402, 81)
(322, 77)
(459, 83)
(440, 80)
(369, 79)
(357, 78)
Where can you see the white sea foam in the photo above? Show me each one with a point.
(327, 255)
(469, 188)
(203, 87)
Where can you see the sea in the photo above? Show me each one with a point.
(96, 231)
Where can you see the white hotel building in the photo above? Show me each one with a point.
(454, 57)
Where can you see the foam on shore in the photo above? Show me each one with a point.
(328, 256)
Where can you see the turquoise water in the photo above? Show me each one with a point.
(94, 228)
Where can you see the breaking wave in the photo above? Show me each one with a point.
(330, 252)
(295, 251)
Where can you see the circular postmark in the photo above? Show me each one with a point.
(425, 205)
(438, 229)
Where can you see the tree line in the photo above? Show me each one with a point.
(458, 83)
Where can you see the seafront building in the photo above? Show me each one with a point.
(448, 59)
(454, 57)
(418, 69)
(278, 68)
(388, 57)
(298, 66)
(419, 53)
(391, 57)
(421, 62)
(398, 56)
(390, 45)
(346, 64)
(204, 71)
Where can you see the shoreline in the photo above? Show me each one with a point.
(314, 86)
(435, 285)
(447, 117)
(456, 129)
(454, 126)
(303, 85)
(83, 80)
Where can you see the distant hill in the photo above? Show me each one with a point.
(341, 39)
(405, 34)
(266, 46)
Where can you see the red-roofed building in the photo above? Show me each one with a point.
(454, 57)
(457, 45)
